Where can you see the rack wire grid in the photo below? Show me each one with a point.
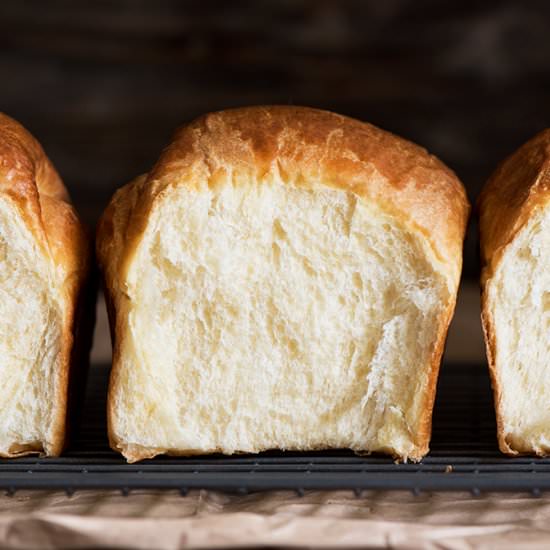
(463, 456)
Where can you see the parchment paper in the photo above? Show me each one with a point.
(166, 520)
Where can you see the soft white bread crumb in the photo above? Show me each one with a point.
(264, 316)
(30, 327)
(264, 308)
(518, 300)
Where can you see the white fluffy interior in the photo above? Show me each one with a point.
(264, 315)
(29, 337)
(519, 298)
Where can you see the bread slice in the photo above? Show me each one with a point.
(282, 279)
(514, 210)
(43, 263)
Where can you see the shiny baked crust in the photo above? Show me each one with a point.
(29, 180)
(310, 145)
(515, 192)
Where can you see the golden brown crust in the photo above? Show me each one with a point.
(302, 146)
(517, 189)
(29, 179)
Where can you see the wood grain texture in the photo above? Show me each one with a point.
(103, 84)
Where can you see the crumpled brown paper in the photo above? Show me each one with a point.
(166, 520)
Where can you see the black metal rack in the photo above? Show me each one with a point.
(464, 456)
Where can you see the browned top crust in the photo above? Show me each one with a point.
(302, 146)
(28, 177)
(517, 188)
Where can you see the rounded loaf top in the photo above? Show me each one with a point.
(309, 147)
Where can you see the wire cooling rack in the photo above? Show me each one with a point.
(464, 456)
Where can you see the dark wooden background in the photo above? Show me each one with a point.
(103, 84)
